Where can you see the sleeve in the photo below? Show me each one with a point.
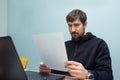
(103, 69)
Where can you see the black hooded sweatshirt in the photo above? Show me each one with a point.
(92, 53)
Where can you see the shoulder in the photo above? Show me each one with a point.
(94, 38)
(98, 40)
(101, 41)
(102, 45)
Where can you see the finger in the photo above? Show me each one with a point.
(46, 71)
(43, 68)
(78, 74)
(72, 63)
(72, 74)
(73, 67)
(75, 71)
(42, 64)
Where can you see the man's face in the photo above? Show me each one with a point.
(77, 29)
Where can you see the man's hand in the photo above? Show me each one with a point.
(76, 70)
(43, 68)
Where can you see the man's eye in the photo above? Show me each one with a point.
(76, 25)
(70, 25)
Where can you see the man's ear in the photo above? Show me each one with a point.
(85, 24)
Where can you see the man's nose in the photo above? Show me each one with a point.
(72, 28)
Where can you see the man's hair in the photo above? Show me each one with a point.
(76, 14)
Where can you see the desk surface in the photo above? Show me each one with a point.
(32, 75)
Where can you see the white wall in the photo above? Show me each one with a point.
(3, 17)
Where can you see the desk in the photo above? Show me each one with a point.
(32, 75)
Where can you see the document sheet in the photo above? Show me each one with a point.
(52, 49)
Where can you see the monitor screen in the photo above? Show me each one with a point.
(10, 65)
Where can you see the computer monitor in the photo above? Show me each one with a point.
(10, 64)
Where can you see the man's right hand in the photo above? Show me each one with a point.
(43, 68)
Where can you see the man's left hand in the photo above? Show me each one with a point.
(76, 69)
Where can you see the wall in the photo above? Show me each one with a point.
(28, 17)
(3, 17)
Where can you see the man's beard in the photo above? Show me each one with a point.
(76, 36)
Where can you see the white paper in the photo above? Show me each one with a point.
(52, 50)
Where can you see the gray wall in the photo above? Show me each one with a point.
(27, 17)
(3, 17)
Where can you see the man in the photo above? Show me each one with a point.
(88, 55)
